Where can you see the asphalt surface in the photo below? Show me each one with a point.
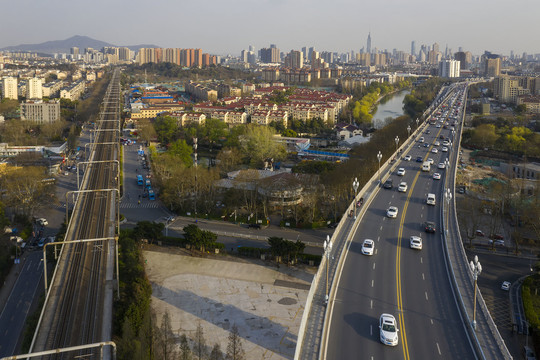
(410, 284)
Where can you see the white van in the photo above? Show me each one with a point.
(426, 166)
(431, 199)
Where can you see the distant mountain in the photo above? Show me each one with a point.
(64, 46)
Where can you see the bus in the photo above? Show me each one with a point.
(140, 180)
(148, 183)
(151, 195)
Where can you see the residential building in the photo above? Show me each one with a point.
(449, 68)
(509, 88)
(532, 103)
(34, 89)
(52, 89)
(73, 91)
(295, 60)
(270, 55)
(41, 112)
(9, 88)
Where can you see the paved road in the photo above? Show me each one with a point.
(14, 314)
(410, 284)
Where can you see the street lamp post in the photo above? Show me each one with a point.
(355, 185)
(195, 164)
(327, 250)
(417, 122)
(476, 269)
(379, 157)
(448, 197)
(397, 142)
(409, 131)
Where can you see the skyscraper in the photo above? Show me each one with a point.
(413, 47)
(34, 89)
(368, 47)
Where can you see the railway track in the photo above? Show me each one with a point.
(78, 306)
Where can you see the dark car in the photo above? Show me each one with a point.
(497, 237)
(426, 145)
(332, 225)
(254, 226)
(429, 227)
(419, 159)
(441, 137)
(388, 184)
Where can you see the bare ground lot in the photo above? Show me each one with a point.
(265, 303)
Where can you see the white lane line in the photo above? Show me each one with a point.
(372, 283)
(378, 238)
(373, 266)
(371, 303)
(376, 251)
(421, 260)
(423, 277)
(431, 321)
(380, 228)
(421, 215)
(438, 349)
(426, 296)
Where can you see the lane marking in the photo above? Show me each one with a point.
(380, 228)
(421, 260)
(438, 349)
(372, 283)
(371, 330)
(423, 278)
(431, 321)
(373, 266)
(371, 301)
(425, 292)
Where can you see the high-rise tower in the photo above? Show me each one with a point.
(368, 47)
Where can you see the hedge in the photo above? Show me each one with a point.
(530, 312)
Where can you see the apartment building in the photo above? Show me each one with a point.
(73, 91)
(509, 88)
(52, 89)
(187, 118)
(9, 88)
(154, 111)
(449, 68)
(34, 89)
(532, 103)
(41, 112)
(201, 92)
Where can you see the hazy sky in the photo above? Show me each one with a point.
(228, 26)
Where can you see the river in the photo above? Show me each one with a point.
(389, 107)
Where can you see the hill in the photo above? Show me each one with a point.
(64, 46)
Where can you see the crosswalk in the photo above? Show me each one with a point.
(142, 205)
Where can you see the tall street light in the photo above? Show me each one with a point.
(476, 269)
(397, 142)
(448, 197)
(379, 157)
(409, 131)
(355, 185)
(327, 250)
(417, 122)
(195, 164)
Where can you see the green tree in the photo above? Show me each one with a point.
(485, 135)
(259, 144)
(166, 128)
(150, 231)
(182, 150)
(213, 131)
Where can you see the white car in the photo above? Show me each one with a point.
(407, 158)
(402, 187)
(430, 161)
(438, 125)
(505, 285)
(436, 176)
(367, 247)
(416, 242)
(421, 139)
(42, 222)
(401, 171)
(446, 143)
(388, 330)
(436, 143)
(392, 212)
(434, 150)
(441, 166)
(444, 149)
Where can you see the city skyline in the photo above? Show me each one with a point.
(471, 26)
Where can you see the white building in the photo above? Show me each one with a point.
(34, 89)
(449, 68)
(41, 112)
(9, 86)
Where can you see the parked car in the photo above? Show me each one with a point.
(496, 242)
(505, 285)
(479, 233)
(254, 226)
(497, 237)
(42, 222)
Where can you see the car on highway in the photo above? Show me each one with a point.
(496, 242)
(429, 227)
(441, 166)
(434, 150)
(42, 222)
(421, 139)
(415, 242)
(419, 159)
(436, 176)
(388, 330)
(426, 145)
(368, 246)
(446, 143)
(392, 212)
(444, 149)
(505, 285)
(388, 184)
(401, 171)
(430, 161)
(438, 125)
(436, 143)
(407, 158)
(402, 187)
